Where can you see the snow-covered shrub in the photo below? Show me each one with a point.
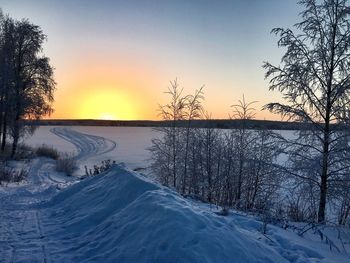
(99, 168)
(5, 173)
(24, 152)
(47, 151)
(223, 212)
(67, 164)
(302, 203)
(19, 176)
(9, 174)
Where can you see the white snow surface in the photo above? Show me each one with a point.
(130, 143)
(121, 216)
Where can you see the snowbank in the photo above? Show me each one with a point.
(122, 217)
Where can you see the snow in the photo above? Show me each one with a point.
(131, 143)
(43, 135)
(121, 216)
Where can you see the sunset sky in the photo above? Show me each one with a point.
(114, 59)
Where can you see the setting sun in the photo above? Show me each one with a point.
(106, 104)
(107, 116)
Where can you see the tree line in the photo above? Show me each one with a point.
(26, 79)
(303, 176)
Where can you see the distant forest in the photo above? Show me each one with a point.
(219, 124)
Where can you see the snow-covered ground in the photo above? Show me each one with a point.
(122, 216)
(130, 147)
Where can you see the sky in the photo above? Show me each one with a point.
(115, 59)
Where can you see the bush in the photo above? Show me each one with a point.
(19, 176)
(47, 151)
(8, 174)
(5, 174)
(66, 164)
(98, 169)
(23, 152)
(223, 212)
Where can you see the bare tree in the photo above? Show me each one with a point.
(194, 110)
(210, 150)
(242, 111)
(33, 77)
(314, 78)
(7, 27)
(174, 111)
(263, 179)
(26, 78)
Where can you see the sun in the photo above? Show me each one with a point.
(106, 104)
(107, 116)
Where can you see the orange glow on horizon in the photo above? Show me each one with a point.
(92, 88)
(95, 87)
(106, 104)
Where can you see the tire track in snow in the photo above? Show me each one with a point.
(21, 229)
(41, 236)
(87, 145)
(28, 237)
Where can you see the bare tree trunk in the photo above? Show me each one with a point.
(344, 212)
(326, 132)
(324, 176)
(323, 195)
(174, 155)
(15, 137)
(2, 101)
(17, 114)
(242, 154)
(184, 180)
(3, 106)
(4, 132)
(239, 182)
(4, 117)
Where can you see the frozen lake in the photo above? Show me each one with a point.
(131, 143)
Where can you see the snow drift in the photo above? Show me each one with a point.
(122, 217)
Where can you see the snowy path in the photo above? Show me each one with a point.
(22, 234)
(86, 144)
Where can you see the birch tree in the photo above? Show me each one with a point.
(173, 111)
(242, 111)
(314, 79)
(194, 111)
(33, 78)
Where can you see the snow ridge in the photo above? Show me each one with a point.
(122, 217)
